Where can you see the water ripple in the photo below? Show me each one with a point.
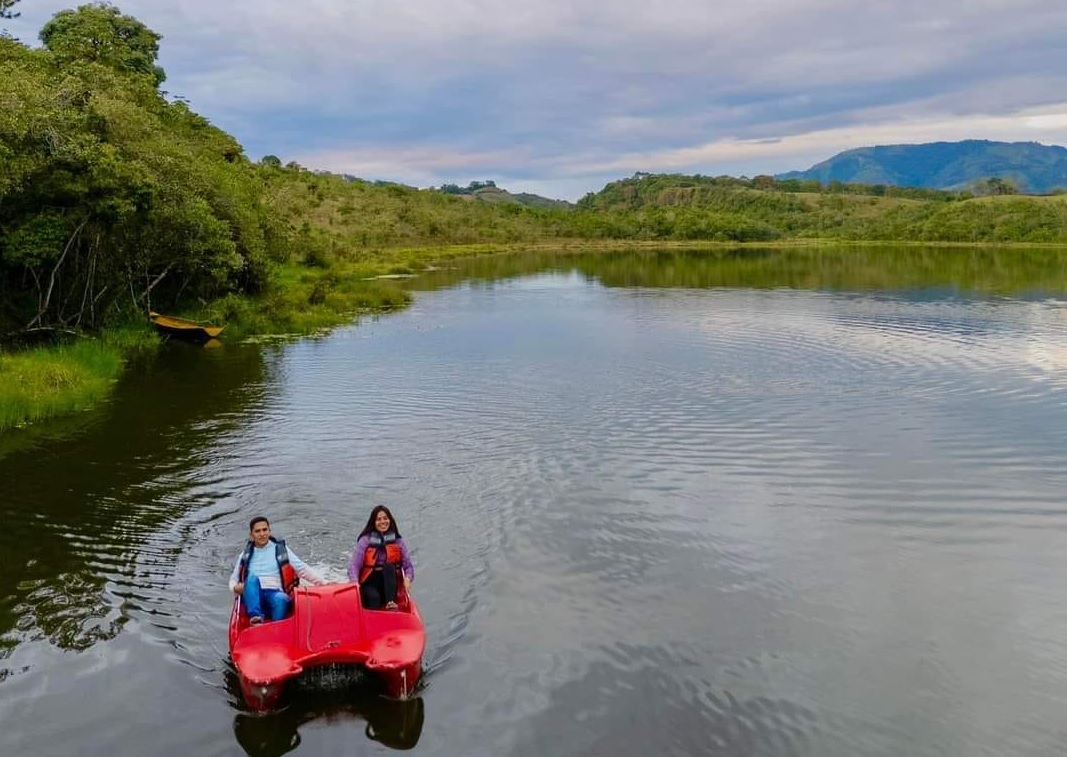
(688, 522)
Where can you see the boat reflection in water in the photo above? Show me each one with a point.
(393, 723)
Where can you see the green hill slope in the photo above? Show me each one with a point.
(763, 209)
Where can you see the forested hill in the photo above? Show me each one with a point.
(488, 191)
(1027, 166)
(675, 206)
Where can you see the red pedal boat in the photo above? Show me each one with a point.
(328, 626)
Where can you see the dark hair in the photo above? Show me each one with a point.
(258, 519)
(369, 528)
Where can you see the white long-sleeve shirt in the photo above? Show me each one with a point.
(264, 564)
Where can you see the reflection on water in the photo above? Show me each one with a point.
(735, 503)
(392, 723)
(77, 513)
(937, 270)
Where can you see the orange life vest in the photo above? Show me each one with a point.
(290, 579)
(393, 555)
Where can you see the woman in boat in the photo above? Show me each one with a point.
(379, 559)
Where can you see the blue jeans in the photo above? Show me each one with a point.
(256, 599)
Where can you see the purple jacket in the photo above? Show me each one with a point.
(363, 542)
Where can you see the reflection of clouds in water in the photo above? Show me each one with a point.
(733, 521)
(1047, 349)
(870, 333)
(717, 521)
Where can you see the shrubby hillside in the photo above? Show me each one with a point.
(488, 191)
(669, 206)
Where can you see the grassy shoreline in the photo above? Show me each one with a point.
(41, 383)
(48, 382)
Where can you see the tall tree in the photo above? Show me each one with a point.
(101, 33)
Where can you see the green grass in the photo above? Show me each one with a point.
(55, 381)
(305, 301)
(60, 380)
(335, 289)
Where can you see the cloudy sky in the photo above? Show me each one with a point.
(559, 97)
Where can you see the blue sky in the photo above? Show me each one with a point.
(559, 98)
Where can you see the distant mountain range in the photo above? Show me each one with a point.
(1032, 167)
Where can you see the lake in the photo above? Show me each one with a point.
(753, 502)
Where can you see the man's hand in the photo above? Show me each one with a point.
(238, 588)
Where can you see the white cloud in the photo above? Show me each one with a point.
(420, 165)
(1047, 126)
(556, 90)
(569, 175)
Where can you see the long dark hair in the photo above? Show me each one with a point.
(369, 528)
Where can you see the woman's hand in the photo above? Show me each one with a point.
(238, 588)
(407, 584)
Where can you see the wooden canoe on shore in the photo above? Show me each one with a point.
(184, 328)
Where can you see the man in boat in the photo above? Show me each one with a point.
(266, 573)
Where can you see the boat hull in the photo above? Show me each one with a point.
(262, 697)
(184, 329)
(401, 683)
(328, 626)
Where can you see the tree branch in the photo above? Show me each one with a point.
(43, 306)
(147, 294)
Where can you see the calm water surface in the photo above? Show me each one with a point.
(657, 505)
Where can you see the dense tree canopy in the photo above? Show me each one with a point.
(102, 34)
(112, 198)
